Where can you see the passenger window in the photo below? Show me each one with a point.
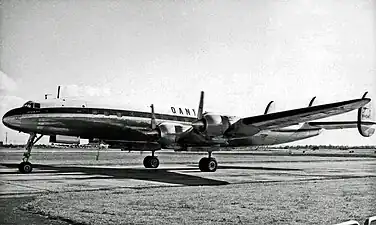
(95, 112)
(106, 113)
(37, 105)
(118, 114)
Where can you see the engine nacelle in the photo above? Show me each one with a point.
(168, 133)
(62, 139)
(214, 125)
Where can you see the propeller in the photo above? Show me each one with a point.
(200, 106)
(153, 123)
(199, 123)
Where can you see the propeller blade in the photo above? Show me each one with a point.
(153, 123)
(200, 106)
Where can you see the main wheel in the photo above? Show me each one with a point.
(146, 161)
(151, 162)
(25, 167)
(208, 164)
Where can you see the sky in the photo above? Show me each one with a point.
(242, 53)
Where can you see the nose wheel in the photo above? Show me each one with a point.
(25, 166)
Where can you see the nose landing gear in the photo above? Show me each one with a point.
(25, 166)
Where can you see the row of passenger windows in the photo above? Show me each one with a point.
(107, 113)
(138, 114)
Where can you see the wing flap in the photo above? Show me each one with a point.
(291, 117)
(340, 124)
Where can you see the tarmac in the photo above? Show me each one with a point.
(57, 171)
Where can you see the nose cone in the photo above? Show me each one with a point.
(9, 119)
(6, 119)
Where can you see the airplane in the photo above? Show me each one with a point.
(179, 128)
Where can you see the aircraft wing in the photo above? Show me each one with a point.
(251, 125)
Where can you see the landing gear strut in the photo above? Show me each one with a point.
(25, 166)
(208, 164)
(151, 161)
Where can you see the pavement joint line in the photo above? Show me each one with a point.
(300, 180)
(26, 186)
(106, 189)
(17, 194)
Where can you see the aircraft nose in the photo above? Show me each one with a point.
(8, 118)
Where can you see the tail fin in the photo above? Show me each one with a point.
(366, 114)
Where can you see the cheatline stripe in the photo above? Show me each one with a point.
(97, 111)
(50, 118)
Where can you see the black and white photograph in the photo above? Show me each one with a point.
(187, 112)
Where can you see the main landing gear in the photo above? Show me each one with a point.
(151, 161)
(25, 166)
(208, 164)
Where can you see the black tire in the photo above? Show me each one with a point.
(202, 164)
(208, 165)
(151, 162)
(20, 167)
(25, 167)
(147, 161)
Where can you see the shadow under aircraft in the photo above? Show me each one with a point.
(158, 175)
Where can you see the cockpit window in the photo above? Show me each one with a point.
(31, 104)
(28, 104)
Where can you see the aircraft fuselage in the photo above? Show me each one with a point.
(126, 125)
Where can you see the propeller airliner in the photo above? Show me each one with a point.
(180, 128)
